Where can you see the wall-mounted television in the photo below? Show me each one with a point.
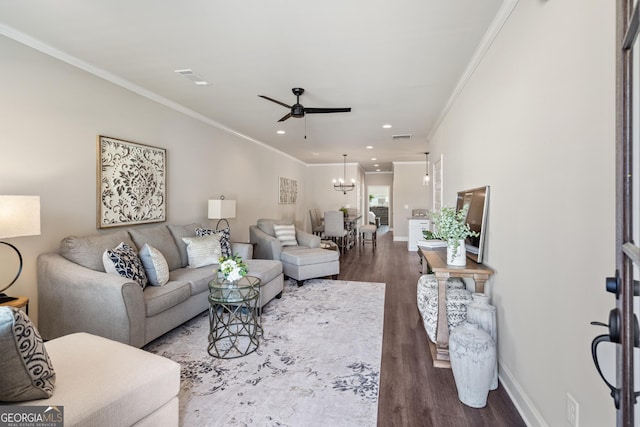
(477, 200)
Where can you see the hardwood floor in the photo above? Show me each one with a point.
(412, 391)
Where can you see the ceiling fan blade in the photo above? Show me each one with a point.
(327, 110)
(275, 100)
(285, 117)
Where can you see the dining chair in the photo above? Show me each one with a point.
(316, 222)
(334, 228)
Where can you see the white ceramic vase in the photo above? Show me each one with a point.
(459, 259)
(473, 356)
(483, 314)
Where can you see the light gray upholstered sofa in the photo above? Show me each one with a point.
(77, 295)
(304, 261)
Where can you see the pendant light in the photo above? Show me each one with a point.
(340, 185)
(425, 178)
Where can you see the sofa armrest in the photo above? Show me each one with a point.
(266, 247)
(307, 239)
(72, 298)
(245, 250)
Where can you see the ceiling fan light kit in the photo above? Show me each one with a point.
(297, 110)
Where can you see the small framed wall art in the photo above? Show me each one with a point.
(131, 183)
(287, 190)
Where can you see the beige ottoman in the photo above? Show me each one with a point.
(301, 263)
(101, 382)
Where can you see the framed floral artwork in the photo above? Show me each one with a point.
(131, 183)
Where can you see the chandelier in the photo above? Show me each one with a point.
(339, 185)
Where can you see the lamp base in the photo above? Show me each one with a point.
(6, 298)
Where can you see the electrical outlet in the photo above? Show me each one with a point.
(572, 411)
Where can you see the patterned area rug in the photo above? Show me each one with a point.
(318, 363)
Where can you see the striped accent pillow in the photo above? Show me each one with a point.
(286, 234)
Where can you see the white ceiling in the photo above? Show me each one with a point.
(397, 62)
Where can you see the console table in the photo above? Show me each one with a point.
(436, 261)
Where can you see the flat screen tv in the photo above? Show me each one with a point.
(477, 200)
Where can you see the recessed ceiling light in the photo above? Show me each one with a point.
(387, 126)
(376, 165)
(373, 159)
(369, 147)
(280, 132)
(377, 170)
(197, 80)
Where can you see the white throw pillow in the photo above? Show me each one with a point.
(286, 234)
(203, 250)
(155, 265)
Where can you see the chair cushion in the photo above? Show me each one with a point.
(124, 260)
(178, 232)
(87, 251)
(155, 265)
(298, 255)
(203, 250)
(286, 234)
(26, 372)
(160, 238)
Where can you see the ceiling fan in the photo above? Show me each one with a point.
(298, 110)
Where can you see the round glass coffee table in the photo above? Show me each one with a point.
(234, 323)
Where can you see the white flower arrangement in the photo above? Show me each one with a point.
(232, 267)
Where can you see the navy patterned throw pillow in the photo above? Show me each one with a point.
(27, 372)
(124, 261)
(225, 238)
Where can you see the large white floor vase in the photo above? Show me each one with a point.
(473, 356)
(483, 314)
(459, 258)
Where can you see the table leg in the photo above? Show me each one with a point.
(441, 352)
(480, 280)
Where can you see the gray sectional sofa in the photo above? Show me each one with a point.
(77, 295)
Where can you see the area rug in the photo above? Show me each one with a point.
(318, 362)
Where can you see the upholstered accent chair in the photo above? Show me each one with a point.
(302, 258)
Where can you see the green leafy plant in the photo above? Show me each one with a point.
(344, 210)
(452, 227)
(232, 267)
(370, 198)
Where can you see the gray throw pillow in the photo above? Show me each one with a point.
(26, 372)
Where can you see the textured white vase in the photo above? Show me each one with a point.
(473, 356)
(483, 314)
(458, 259)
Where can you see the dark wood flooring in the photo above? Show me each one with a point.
(412, 391)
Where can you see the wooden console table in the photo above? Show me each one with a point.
(436, 261)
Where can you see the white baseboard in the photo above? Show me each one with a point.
(400, 238)
(521, 401)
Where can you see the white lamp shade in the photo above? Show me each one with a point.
(19, 216)
(219, 209)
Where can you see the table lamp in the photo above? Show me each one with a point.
(19, 216)
(221, 209)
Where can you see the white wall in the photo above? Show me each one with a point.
(51, 114)
(321, 194)
(408, 194)
(536, 123)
